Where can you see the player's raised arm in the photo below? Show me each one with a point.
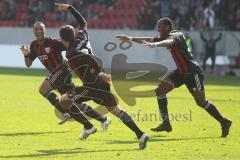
(134, 39)
(219, 37)
(65, 7)
(26, 52)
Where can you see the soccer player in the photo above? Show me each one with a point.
(96, 85)
(48, 51)
(188, 72)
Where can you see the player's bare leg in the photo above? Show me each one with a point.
(127, 120)
(46, 91)
(201, 101)
(67, 104)
(163, 88)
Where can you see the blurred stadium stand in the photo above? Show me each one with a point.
(190, 16)
(125, 14)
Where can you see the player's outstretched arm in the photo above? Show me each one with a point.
(26, 52)
(134, 39)
(66, 7)
(165, 43)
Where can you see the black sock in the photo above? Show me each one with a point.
(162, 104)
(127, 120)
(212, 110)
(76, 114)
(92, 113)
(53, 99)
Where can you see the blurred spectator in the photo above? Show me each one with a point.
(11, 9)
(35, 12)
(237, 60)
(237, 20)
(7, 10)
(210, 49)
(2, 10)
(187, 14)
(145, 19)
(110, 3)
(209, 17)
(165, 8)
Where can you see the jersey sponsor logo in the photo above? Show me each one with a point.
(92, 70)
(43, 57)
(47, 50)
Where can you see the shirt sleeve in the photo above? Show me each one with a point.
(157, 39)
(32, 54)
(81, 21)
(176, 39)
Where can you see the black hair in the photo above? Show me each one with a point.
(166, 21)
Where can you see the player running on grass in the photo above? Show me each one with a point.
(96, 85)
(48, 51)
(188, 72)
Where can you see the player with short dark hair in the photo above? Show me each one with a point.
(96, 85)
(48, 51)
(188, 72)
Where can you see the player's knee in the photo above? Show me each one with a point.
(44, 89)
(65, 101)
(163, 88)
(201, 103)
(159, 91)
(114, 110)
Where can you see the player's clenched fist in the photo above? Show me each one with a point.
(25, 50)
(106, 77)
(61, 6)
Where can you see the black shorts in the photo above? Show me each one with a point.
(193, 81)
(61, 79)
(99, 92)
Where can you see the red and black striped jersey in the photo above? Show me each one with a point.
(181, 54)
(49, 53)
(85, 66)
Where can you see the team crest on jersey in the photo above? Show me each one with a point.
(47, 50)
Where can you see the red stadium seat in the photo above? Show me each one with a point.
(96, 8)
(22, 7)
(53, 24)
(21, 16)
(9, 23)
(50, 16)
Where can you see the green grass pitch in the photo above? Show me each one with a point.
(29, 130)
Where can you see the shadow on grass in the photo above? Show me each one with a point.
(156, 138)
(69, 152)
(76, 151)
(183, 139)
(28, 133)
